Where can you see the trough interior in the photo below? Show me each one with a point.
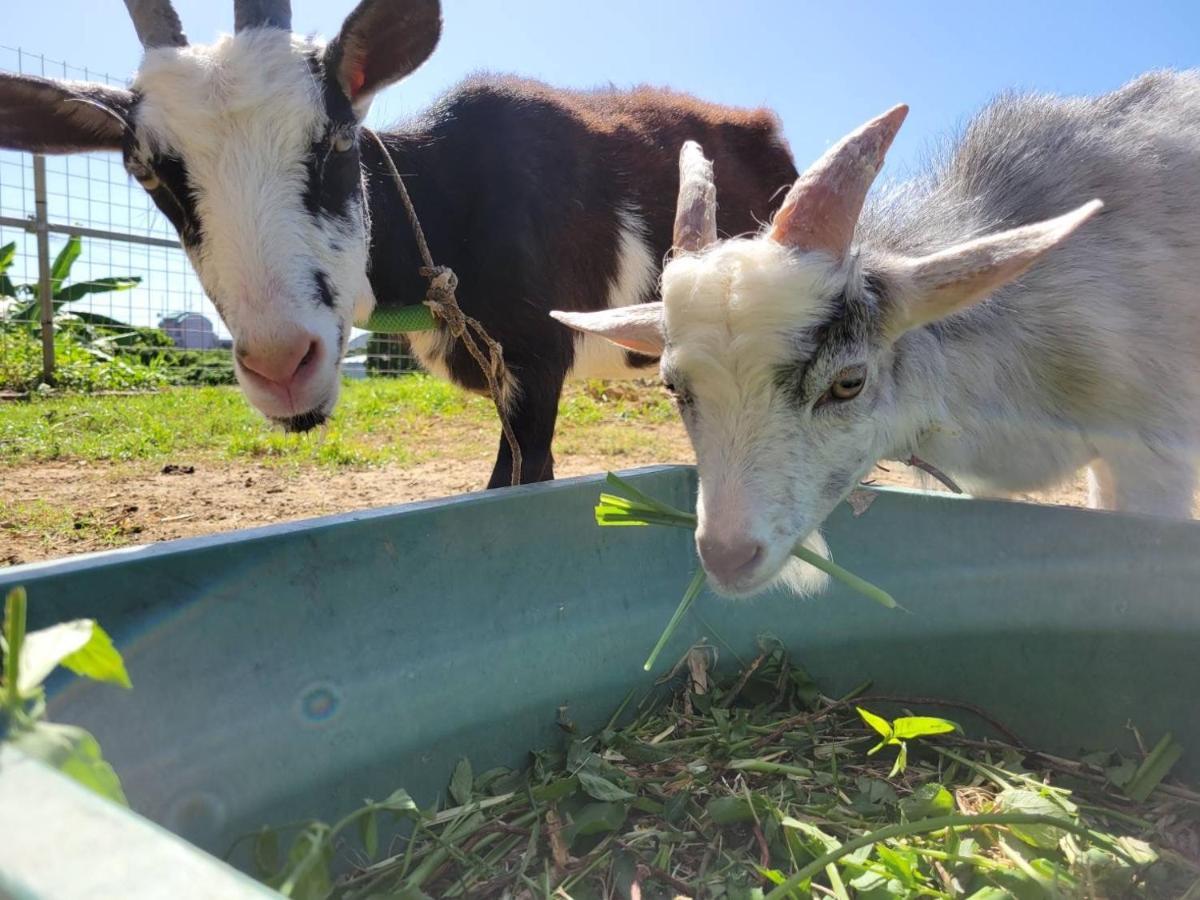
(293, 671)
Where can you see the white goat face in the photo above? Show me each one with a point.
(781, 350)
(237, 146)
(250, 147)
(786, 393)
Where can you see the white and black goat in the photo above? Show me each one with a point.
(974, 317)
(537, 198)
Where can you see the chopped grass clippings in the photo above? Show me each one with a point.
(758, 785)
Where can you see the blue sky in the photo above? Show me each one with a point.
(823, 67)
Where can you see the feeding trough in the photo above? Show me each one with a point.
(288, 672)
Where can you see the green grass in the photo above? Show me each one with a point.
(55, 526)
(402, 420)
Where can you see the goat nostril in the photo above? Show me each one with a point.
(308, 357)
(730, 561)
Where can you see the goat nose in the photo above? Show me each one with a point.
(729, 560)
(281, 362)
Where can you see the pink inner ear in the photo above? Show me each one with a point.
(355, 79)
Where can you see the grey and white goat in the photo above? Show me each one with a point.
(970, 317)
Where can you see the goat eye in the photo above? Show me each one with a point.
(847, 385)
(343, 142)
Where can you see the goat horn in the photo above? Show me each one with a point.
(821, 210)
(696, 211)
(262, 14)
(156, 22)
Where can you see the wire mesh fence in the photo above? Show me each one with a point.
(118, 276)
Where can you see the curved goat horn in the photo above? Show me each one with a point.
(156, 22)
(696, 211)
(262, 14)
(821, 210)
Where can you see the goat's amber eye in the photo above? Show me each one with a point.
(848, 385)
(343, 142)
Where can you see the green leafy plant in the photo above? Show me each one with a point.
(26, 309)
(632, 507)
(899, 732)
(84, 648)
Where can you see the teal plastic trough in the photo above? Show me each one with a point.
(291, 671)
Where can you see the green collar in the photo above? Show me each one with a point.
(397, 320)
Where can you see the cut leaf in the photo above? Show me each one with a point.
(1154, 768)
(462, 782)
(880, 724)
(601, 788)
(401, 803)
(368, 833)
(909, 727)
(266, 852)
(596, 818)
(926, 802)
(81, 646)
(72, 751)
(1019, 800)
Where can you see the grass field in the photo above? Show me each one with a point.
(378, 421)
(80, 473)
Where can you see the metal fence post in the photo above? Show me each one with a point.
(41, 224)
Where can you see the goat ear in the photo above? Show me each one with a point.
(638, 328)
(380, 43)
(45, 116)
(945, 282)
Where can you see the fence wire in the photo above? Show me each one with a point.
(130, 279)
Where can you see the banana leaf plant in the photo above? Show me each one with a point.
(25, 308)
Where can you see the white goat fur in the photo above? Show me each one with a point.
(260, 246)
(1090, 358)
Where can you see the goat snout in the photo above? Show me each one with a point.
(730, 559)
(284, 363)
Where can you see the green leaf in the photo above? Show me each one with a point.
(72, 751)
(730, 810)
(307, 874)
(555, 790)
(8, 253)
(596, 818)
(991, 892)
(462, 782)
(1154, 768)
(401, 803)
(74, 292)
(1020, 800)
(601, 788)
(15, 604)
(880, 724)
(817, 841)
(689, 597)
(909, 727)
(902, 865)
(63, 263)
(368, 833)
(81, 646)
(266, 852)
(927, 801)
(1139, 851)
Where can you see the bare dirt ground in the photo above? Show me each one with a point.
(87, 506)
